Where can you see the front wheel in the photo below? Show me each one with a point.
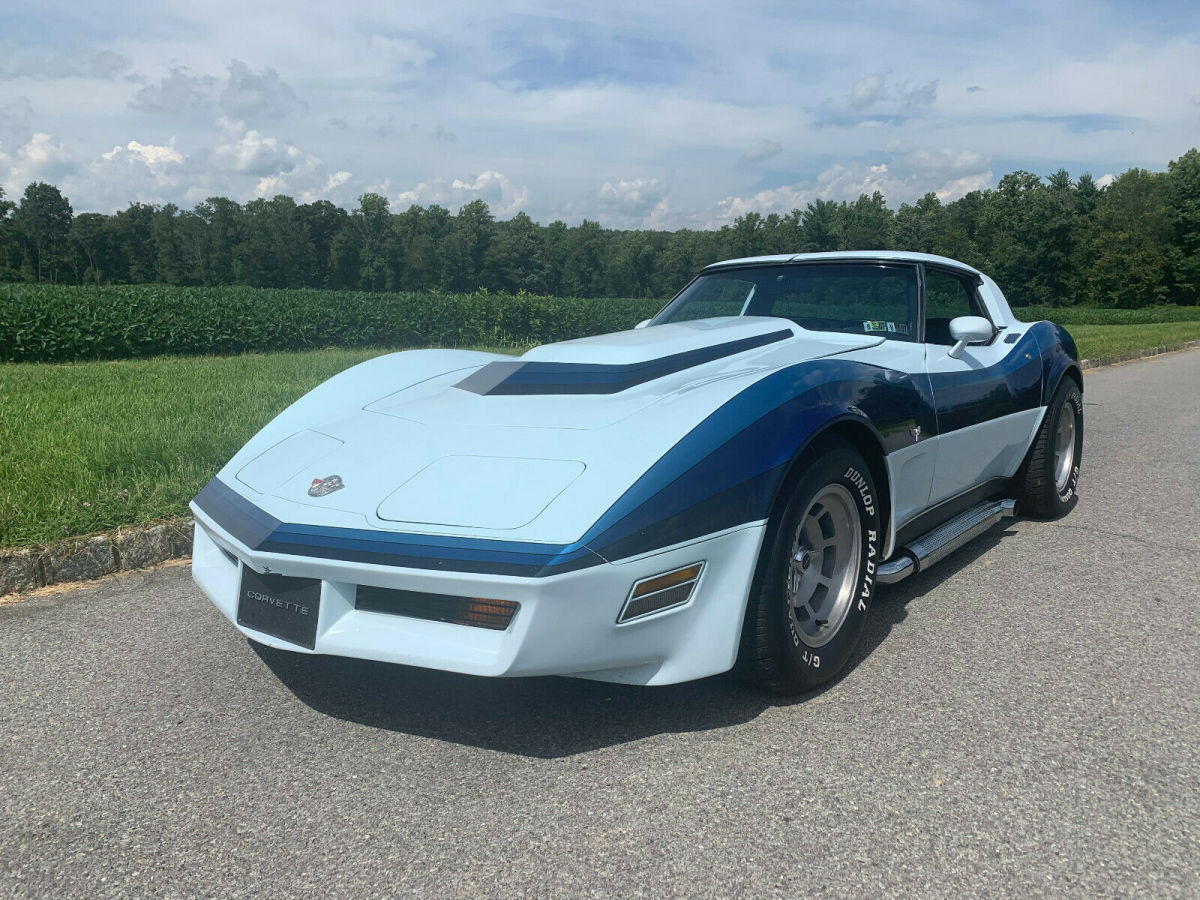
(812, 592)
(1048, 483)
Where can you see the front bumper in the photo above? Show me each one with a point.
(566, 624)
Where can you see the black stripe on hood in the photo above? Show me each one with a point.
(519, 377)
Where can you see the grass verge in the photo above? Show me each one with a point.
(1100, 341)
(93, 446)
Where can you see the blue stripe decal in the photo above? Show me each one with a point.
(262, 532)
(724, 473)
(727, 470)
(586, 378)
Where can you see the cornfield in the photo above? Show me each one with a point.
(55, 323)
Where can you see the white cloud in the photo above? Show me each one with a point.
(242, 94)
(308, 182)
(248, 152)
(944, 162)
(553, 97)
(762, 151)
(178, 92)
(873, 89)
(16, 122)
(404, 57)
(633, 201)
(868, 91)
(333, 181)
(104, 64)
(249, 94)
(43, 158)
(157, 159)
(496, 189)
(145, 173)
(946, 173)
(918, 94)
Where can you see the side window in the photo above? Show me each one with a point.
(947, 297)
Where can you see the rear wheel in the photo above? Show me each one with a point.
(812, 592)
(1048, 483)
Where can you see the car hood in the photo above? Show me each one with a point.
(532, 449)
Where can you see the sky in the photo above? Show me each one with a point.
(637, 115)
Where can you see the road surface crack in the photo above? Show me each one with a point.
(1133, 537)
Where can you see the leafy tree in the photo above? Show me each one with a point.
(1133, 225)
(421, 235)
(583, 260)
(555, 240)
(516, 259)
(745, 238)
(170, 263)
(866, 224)
(43, 222)
(320, 222)
(345, 252)
(920, 227)
(374, 223)
(1087, 194)
(9, 250)
(630, 264)
(466, 248)
(223, 231)
(131, 238)
(1046, 240)
(819, 224)
(1183, 200)
(88, 240)
(275, 251)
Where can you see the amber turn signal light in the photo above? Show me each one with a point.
(659, 592)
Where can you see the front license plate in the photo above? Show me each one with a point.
(281, 606)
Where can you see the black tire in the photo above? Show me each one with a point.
(782, 647)
(1042, 490)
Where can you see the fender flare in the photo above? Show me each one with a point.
(856, 429)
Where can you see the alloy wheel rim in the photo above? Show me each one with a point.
(1064, 447)
(823, 565)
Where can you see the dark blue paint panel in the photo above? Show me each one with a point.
(262, 532)
(1058, 354)
(727, 470)
(969, 397)
(237, 515)
(585, 378)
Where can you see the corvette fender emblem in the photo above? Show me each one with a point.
(322, 486)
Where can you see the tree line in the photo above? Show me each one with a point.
(1053, 241)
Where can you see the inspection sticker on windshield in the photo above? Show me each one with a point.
(871, 325)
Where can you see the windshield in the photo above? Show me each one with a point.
(864, 298)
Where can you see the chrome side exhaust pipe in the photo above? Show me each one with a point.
(937, 544)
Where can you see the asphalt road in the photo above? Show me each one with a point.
(1023, 719)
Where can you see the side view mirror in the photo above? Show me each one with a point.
(642, 324)
(968, 330)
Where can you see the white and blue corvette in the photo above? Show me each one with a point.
(725, 485)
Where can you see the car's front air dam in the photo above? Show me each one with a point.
(566, 624)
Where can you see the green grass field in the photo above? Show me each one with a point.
(1099, 341)
(93, 446)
